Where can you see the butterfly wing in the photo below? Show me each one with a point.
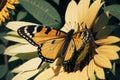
(36, 35)
(78, 40)
(51, 49)
(81, 38)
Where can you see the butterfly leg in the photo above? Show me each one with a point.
(40, 64)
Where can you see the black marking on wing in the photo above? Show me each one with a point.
(48, 30)
(87, 37)
(53, 42)
(27, 33)
(30, 30)
(39, 29)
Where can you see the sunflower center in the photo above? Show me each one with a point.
(2, 4)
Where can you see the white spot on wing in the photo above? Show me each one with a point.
(35, 29)
(25, 30)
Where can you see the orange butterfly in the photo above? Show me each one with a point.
(53, 43)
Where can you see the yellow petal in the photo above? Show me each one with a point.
(5, 9)
(102, 61)
(13, 1)
(108, 40)
(62, 76)
(10, 6)
(28, 66)
(84, 73)
(49, 73)
(5, 14)
(71, 16)
(76, 75)
(108, 47)
(68, 76)
(2, 19)
(91, 70)
(16, 2)
(99, 72)
(83, 6)
(93, 10)
(71, 12)
(25, 75)
(109, 53)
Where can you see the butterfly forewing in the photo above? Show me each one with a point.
(36, 35)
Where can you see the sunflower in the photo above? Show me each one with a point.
(97, 52)
(4, 6)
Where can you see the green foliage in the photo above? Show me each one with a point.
(3, 70)
(114, 10)
(21, 15)
(43, 12)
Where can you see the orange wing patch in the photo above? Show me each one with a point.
(50, 50)
(43, 35)
(77, 37)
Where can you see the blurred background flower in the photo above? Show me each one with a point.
(5, 5)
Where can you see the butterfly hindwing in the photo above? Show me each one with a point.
(50, 50)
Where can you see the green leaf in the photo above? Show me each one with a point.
(3, 70)
(2, 48)
(27, 56)
(117, 71)
(114, 68)
(4, 41)
(43, 12)
(100, 22)
(21, 15)
(57, 1)
(9, 76)
(113, 10)
(105, 31)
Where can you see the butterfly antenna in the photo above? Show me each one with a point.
(40, 64)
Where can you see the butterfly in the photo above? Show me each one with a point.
(53, 43)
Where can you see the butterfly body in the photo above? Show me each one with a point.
(53, 43)
(68, 38)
